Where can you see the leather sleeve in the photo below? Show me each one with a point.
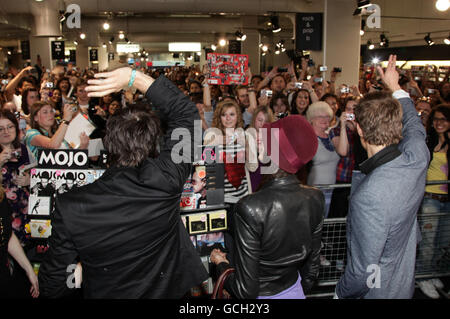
(244, 282)
(310, 268)
(54, 277)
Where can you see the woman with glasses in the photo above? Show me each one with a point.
(14, 155)
(435, 229)
(331, 148)
(45, 132)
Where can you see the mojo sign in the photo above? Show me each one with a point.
(63, 159)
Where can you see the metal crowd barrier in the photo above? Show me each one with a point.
(432, 256)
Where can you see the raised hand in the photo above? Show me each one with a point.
(109, 82)
(390, 76)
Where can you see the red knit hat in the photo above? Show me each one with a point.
(296, 142)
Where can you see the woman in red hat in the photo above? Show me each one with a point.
(277, 230)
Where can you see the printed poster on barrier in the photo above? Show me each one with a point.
(204, 188)
(46, 183)
(227, 69)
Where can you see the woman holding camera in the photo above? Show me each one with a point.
(13, 156)
(45, 132)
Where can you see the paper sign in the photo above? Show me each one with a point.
(78, 125)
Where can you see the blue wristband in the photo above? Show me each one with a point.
(133, 76)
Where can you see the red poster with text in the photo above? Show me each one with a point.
(227, 69)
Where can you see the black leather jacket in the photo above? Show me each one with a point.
(277, 233)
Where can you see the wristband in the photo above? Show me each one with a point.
(133, 76)
(63, 121)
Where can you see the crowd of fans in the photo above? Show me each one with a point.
(38, 104)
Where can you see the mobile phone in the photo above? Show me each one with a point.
(318, 80)
(323, 68)
(417, 78)
(298, 85)
(49, 85)
(431, 91)
(337, 70)
(345, 90)
(281, 70)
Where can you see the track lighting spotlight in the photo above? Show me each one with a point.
(240, 36)
(275, 24)
(428, 39)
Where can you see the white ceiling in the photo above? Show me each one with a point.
(155, 22)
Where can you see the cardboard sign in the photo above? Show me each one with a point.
(63, 159)
(227, 69)
(46, 183)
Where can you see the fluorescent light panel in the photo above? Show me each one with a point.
(185, 47)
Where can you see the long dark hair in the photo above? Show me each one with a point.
(25, 106)
(294, 102)
(6, 114)
(432, 135)
(35, 108)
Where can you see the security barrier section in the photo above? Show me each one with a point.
(433, 250)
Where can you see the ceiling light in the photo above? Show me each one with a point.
(106, 26)
(121, 36)
(222, 42)
(199, 53)
(277, 51)
(75, 42)
(82, 36)
(362, 4)
(240, 36)
(275, 24)
(442, 5)
(213, 47)
(384, 42)
(370, 45)
(104, 45)
(265, 48)
(363, 25)
(428, 39)
(447, 40)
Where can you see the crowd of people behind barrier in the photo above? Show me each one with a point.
(38, 104)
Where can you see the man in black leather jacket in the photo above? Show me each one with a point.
(277, 230)
(125, 228)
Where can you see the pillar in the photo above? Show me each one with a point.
(251, 45)
(342, 41)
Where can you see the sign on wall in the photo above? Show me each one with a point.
(308, 31)
(57, 50)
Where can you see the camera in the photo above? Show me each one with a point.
(281, 70)
(267, 93)
(49, 85)
(318, 80)
(17, 154)
(323, 68)
(350, 117)
(345, 90)
(282, 115)
(337, 70)
(298, 85)
(431, 91)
